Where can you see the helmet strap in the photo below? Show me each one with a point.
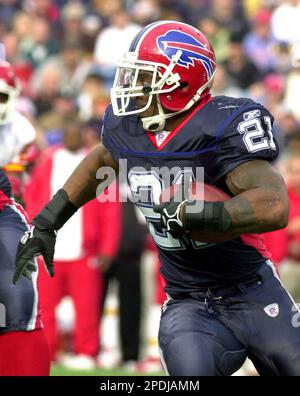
(155, 123)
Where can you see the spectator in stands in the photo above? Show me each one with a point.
(47, 85)
(118, 37)
(293, 140)
(46, 9)
(259, 43)
(105, 9)
(230, 16)
(12, 54)
(68, 70)
(218, 36)
(91, 25)
(285, 21)
(40, 45)
(72, 15)
(92, 91)
(293, 83)
(239, 67)
(62, 112)
(144, 12)
(7, 10)
(222, 84)
(22, 24)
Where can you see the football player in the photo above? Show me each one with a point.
(23, 345)
(225, 301)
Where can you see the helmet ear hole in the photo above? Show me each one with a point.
(184, 86)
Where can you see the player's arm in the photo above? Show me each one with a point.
(261, 201)
(82, 184)
(79, 189)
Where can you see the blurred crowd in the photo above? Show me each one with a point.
(64, 53)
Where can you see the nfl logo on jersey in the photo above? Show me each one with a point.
(272, 310)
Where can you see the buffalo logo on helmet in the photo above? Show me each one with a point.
(192, 50)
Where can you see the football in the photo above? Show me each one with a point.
(208, 192)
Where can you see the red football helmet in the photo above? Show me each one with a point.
(9, 90)
(180, 64)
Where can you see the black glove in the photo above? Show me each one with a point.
(212, 216)
(170, 212)
(34, 243)
(170, 217)
(40, 240)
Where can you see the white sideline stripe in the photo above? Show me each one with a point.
(161, 355)
(272, 267)
(31, 323)
(163, 362)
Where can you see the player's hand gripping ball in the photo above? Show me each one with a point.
(200, 192)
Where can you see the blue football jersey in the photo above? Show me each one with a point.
(5, 189)
(216, 137)
(5, 185)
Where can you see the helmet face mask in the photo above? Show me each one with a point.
(136, 79)
(180, 65)
(9, 91)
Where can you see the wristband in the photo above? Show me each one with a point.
(56, 213)
(213, 217)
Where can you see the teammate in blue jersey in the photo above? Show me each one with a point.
(225, 301)
(23, 344)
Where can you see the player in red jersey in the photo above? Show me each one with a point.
(23, 345)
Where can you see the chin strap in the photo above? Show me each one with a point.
(156, 123)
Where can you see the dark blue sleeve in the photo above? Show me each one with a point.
(248, 137)
(5, 185)
(106, 132)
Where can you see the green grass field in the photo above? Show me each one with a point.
(60, 371)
